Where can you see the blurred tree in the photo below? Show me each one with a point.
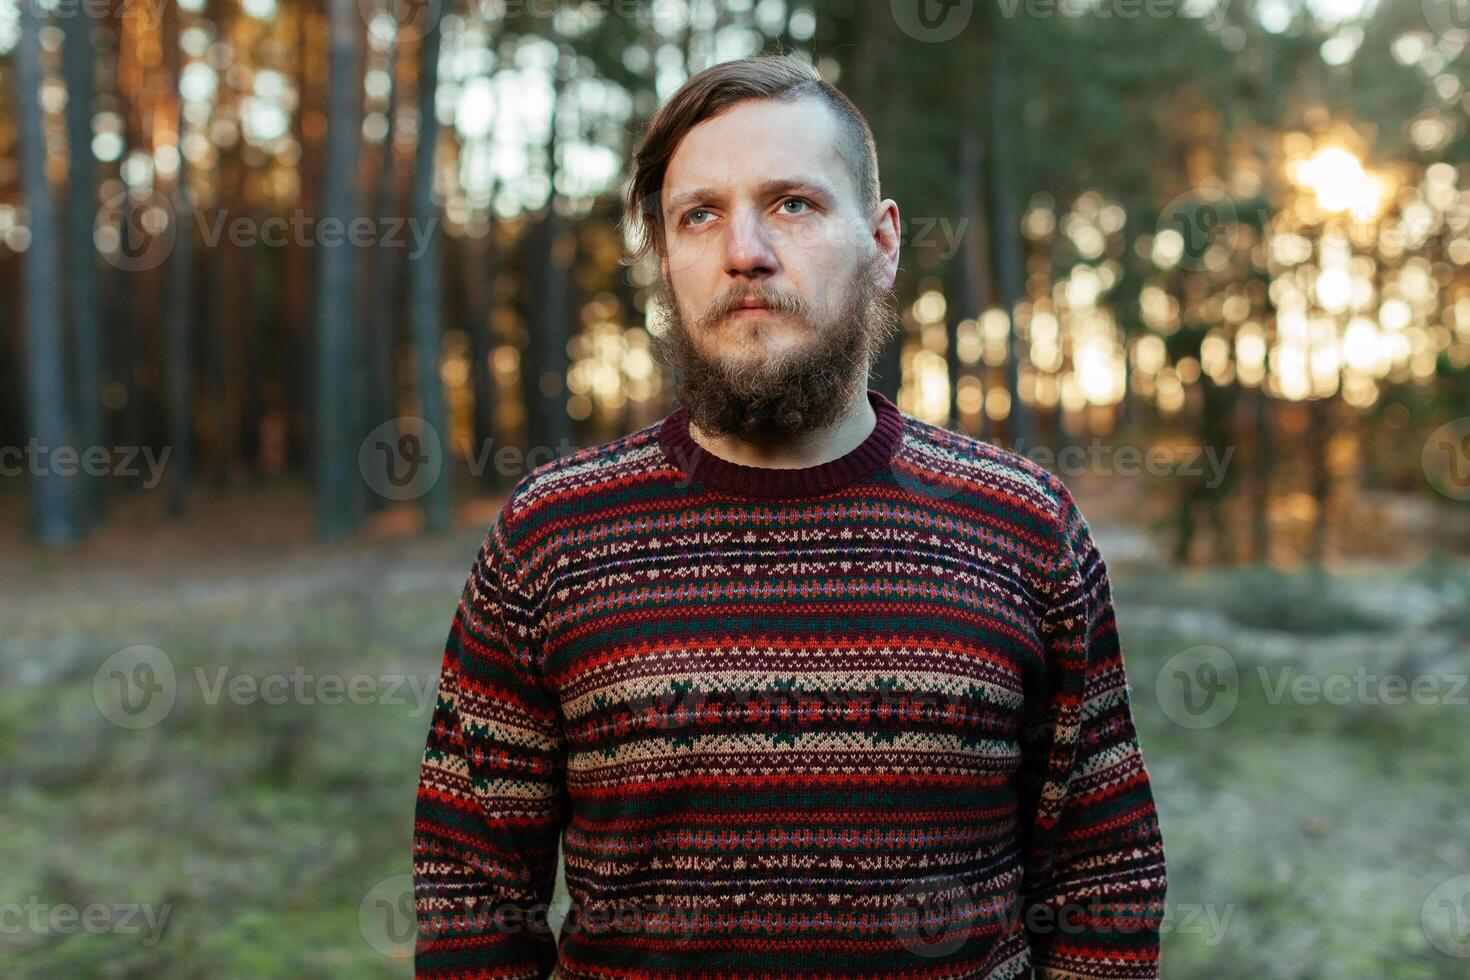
(79, 65)
(425, 278)
(179, 312)
(54, 506)
(1006, 200)
(338, 486)
(480, 254)
(549, 256)
(382, 297)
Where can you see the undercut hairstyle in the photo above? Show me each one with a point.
(783, 78)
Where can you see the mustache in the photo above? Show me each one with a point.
(780, 301)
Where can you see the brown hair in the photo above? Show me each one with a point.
(712, 91)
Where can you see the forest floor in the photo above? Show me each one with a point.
(1307, 836)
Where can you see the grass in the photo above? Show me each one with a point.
(1302, 839)
(1318, 828)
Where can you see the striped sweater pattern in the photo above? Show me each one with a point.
(867, 718)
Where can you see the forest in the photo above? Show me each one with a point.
(293, 294)
(296, 236)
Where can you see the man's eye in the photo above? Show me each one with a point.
(689, 219)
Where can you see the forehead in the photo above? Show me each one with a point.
(758, 139)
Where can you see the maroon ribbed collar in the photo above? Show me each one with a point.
(704, 467)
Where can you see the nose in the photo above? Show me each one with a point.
(748, 252)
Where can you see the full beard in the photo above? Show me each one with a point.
(761, 401)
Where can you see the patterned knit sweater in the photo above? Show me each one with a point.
(863, 719)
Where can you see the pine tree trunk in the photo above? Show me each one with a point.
(382, 297)
(179, 340)
(337, 486)
(1006, 229)
(972, 291)
(79, 60)
(54, 515)
(549, 260)
(425, 285)
(478, 276)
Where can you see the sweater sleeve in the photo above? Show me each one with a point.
(491, 794)
(1094, 879)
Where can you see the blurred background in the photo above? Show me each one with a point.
(291, 295)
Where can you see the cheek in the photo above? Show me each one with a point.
(693, 256)
(815, 288)
(830, 240)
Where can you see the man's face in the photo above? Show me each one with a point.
(759, 208)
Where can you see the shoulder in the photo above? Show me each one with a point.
(574, 482)
(995, 477)
(1024, 503)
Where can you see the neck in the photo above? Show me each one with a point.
(813, 448)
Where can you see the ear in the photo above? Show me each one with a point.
(886, 236)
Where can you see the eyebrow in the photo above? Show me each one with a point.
(811, 188)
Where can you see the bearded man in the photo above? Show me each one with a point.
(800, 685)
